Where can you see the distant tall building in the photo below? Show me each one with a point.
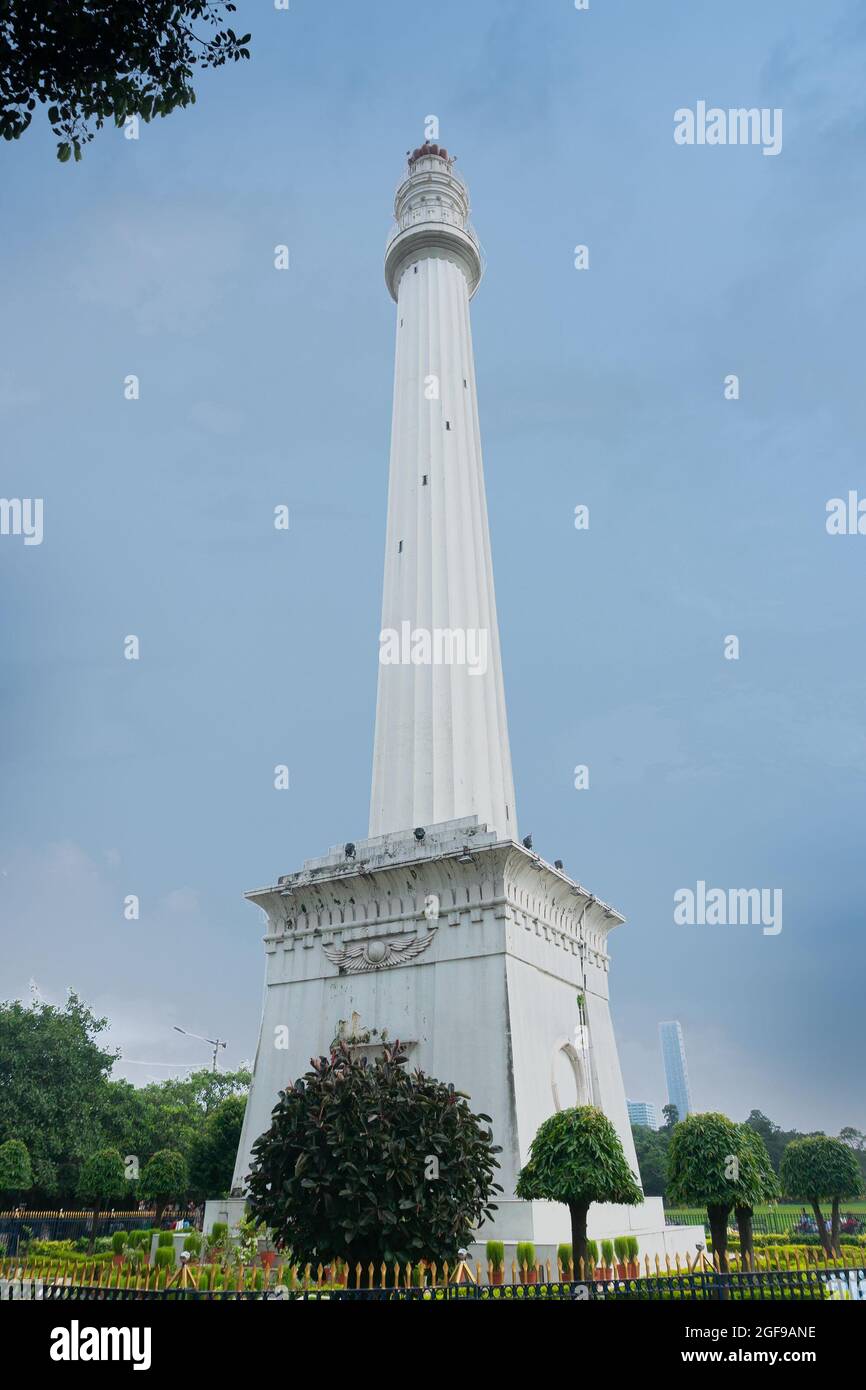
(643, 1112)
(676, 1071)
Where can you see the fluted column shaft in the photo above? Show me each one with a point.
(441, 744)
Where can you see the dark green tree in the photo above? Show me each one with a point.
(856, 1141)
(213, 1152)
(774, 1137)
(102, 1183)
(672, 1117)
(16, 1174)
(167, 1114)
(651, 1147)
(758, 1184)
(372, 1163)
(710, 1164)
(577, 1158)
(53, 1073)
(165, 1179)
(57, 1097)
(818, 1168)
(92, 61)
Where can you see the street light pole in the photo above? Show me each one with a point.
(215, 1043)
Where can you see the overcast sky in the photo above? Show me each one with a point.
(602, 387)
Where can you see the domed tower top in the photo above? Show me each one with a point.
(431, 217)
(438, 151)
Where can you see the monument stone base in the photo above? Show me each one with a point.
(489, 964)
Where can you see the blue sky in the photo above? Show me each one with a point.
(602, 387)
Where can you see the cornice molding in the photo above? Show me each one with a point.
(343, 905)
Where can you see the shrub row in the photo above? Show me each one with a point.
(762, 1241)
(621, 1250)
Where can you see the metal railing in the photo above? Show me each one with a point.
(72, 1225)
(811, 1285)
(442, 218)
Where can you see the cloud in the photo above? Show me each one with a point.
(62, 911)
(167, 269)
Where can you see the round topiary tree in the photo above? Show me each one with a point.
(372, 1163)
(710, 1163)
(16, 1175)
(758, 1184)
(818, 1168)
(165, 1179)
(101, 1182)
(577, 1158)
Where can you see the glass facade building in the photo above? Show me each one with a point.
(676, 1071)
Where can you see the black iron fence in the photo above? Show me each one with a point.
(55, 1225)
(811, 1285)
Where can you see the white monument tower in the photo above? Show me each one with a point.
(441, 748)
(441, 929)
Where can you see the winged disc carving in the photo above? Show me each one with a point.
(357, 956)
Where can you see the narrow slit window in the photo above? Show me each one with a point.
(447, 424)
(399, 547)
(424, 480)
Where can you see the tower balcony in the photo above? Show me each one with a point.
(437, 230)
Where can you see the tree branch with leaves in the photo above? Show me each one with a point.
(92, 61)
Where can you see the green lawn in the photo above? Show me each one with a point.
(776, 1216)
(773, 1218)
(788, 1208)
